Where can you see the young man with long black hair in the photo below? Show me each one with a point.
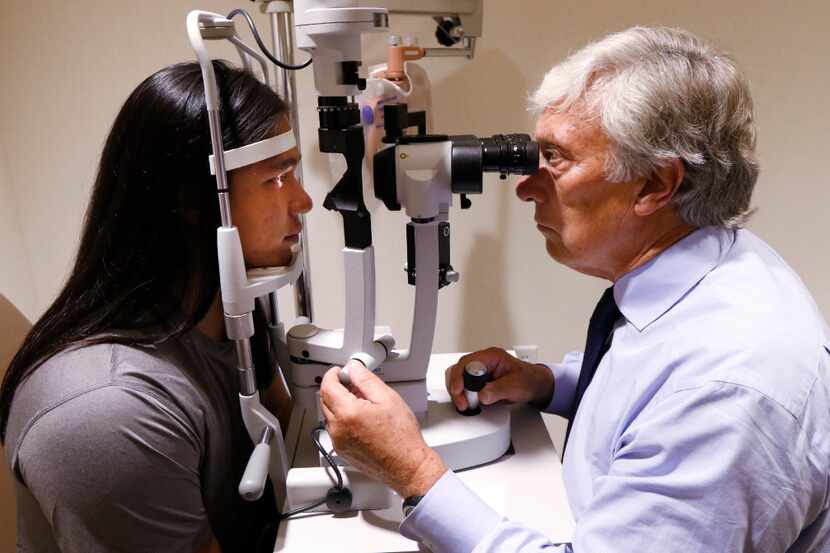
(119, 414)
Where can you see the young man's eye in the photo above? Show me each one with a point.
(280, 178)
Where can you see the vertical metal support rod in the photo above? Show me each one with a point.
(282, 34)
(280, 73)
(221, 174)
(287, 34)
(244, 358)
(273, 309)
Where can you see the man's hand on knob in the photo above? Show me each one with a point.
(512, 380)
(373, 428)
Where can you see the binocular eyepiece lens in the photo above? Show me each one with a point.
(506, 154)
(510, 154)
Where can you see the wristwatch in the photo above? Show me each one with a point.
(410, 503)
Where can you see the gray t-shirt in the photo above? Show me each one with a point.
(131, 449)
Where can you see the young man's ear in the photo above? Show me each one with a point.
(660, 188)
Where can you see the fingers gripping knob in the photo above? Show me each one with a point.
(344, 376)
(475, 378)
(371, 361)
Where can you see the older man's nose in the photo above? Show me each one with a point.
(525, 188)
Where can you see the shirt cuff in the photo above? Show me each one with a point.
(450, 517)
(565, 377)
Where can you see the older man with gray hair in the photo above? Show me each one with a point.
(699, 408)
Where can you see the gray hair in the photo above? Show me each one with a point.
(662, 94)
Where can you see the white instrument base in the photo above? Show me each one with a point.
(462, 442)
(525, 486)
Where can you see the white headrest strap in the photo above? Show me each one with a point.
(246, 155)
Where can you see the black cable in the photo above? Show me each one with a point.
(264, 532)
(315, 436)
(303, 509)
(261, 45)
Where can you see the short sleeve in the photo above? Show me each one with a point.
(116, 469)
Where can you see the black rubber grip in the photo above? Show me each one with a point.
(475, 383)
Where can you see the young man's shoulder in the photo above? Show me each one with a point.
(88, 385)
(100, 452)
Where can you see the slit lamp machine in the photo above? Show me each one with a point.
(416, 173)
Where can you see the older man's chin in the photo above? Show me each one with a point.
(556, 251)
(553, 243)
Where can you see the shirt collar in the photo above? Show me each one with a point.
(646, 293)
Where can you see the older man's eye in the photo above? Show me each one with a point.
(552, 155)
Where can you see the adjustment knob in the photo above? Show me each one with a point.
(476, 378)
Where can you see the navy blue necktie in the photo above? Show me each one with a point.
(602, 322)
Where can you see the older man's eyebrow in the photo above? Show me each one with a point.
(546, 142)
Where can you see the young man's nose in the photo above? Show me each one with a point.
(301, 202)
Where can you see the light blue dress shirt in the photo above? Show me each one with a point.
(706, 427)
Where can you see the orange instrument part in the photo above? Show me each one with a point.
(397, 55)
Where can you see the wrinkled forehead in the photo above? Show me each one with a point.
(572, 129)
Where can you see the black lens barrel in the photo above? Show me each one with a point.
(510, 154)
(466, 165)
(506, 154)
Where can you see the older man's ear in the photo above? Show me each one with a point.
(659, 188)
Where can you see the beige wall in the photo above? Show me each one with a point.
(15, 263)
(14, 327)
(15, 282)
(68, 66)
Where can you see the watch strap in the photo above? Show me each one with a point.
(410, 503)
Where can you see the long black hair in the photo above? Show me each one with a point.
(147, 268)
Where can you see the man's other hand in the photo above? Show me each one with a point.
(372, 427)
(512, 380)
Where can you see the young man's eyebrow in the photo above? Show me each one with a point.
(283, 162)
